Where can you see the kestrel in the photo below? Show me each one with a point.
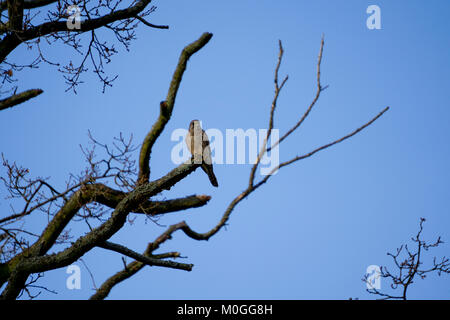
(198, 144)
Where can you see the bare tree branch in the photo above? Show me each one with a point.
(166, 106)
(19, 98)
(409, 267)
(28, 4)
(145, 259)
(67, 21)
(151, 25)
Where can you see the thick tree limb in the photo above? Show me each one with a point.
(110, 197)
(151, 25)
(19, 98)
(15, 15)
(151, 261)
(160, 207)
(166, 107)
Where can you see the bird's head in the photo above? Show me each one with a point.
(193, 124)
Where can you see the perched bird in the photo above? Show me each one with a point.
(198, 144)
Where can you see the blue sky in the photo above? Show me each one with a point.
(315, 228)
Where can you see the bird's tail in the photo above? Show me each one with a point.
(209, 171)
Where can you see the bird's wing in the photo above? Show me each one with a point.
(206, 150)
(188, 142)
